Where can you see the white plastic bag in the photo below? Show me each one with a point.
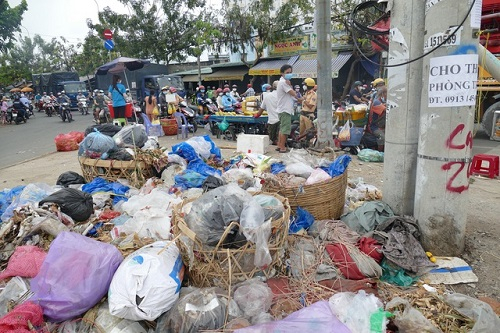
(107, 323)
(486, 319)
(299, 169)
(317, 175)
(149, 222)
(257, 230)
(410, 320)
(200, 145)
(345, 132)
(147, 283)
(253, 297)
(242, 177)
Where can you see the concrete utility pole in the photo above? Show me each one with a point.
(446, 121)
(324, 54)
(404, 86)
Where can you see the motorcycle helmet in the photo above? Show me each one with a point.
(265, 87)
(219, 90)
(226, 90)
(63, 92)
(165, 88)
(201, 87)
(235, 86)
(44, 93)
(101, 91)
(309, 82)
(296, 86)
(58, 94)
(357, 84)
(378, 81)
(173, 90)
(249, 85)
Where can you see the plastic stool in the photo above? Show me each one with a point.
(491, 170)
(120, 121)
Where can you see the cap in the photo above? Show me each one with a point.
(357, 83)
(378, 81)
(165, 88)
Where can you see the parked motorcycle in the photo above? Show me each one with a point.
(190, 114)
(16, 116)
(82, 106)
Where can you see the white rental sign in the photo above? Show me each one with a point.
(453, 80)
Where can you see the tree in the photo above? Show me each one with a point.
(163, 30)
(261, 23)
(10, 22)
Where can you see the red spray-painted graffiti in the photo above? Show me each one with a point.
(451, 144)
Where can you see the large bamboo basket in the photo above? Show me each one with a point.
(136, 172)
(221, 267)
(324, 200)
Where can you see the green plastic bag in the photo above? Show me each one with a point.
(370, 155)
(223, 125)
(395, 275)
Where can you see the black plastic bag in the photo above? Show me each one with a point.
(211, 182)
(70, 178)
(75, 203)
(107, 129)
(120, 155)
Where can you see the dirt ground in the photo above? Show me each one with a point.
(483, 221)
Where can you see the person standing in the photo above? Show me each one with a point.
(376, 118)
(286, 97)
(308, 106)
(151, 103)
(269, 104)
(117, 94)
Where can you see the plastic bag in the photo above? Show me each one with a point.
(345, 132)
(77, 204)
(149, 222)
(30, 194)
(152, 143)
(273, 208)
(315, 318)
(107, 323)
(70, 178)
(68, 142)
(25, 262)
(120, 155)
(200, 145)
(212, 213)
(189, 179)
(355, 310)
(370, 155)
(203, 169)
(302, 220)
(147, 283)
(339, 166)
(242, 177)
(99, 184)
(75, 275)
(184, 150)
(131, 136)
(257, 230)
(253, 297)
(299, 169)
(95, 145)
(199, 310)
(277, 168)
(411, 320)
(12, 292)
(7, 195)
(106, 129)
(155, 199)
(486, 319)
(223, 125)
(317, 175)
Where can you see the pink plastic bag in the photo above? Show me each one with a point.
(25, 262)
(315, 318)
(75, 275)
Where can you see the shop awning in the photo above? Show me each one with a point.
(190, 78)
(226, 74)
(271, 66)
(307, 65)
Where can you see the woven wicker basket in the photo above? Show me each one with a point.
(136, 172)
(324, 200)
(220, 267)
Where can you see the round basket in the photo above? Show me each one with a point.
(324, 200)
(222, 267)
(169, 126)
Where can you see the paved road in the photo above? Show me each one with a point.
(35, 138)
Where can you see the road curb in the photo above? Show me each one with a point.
(29, 160)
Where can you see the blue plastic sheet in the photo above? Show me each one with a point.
(202, 168)
(189, 179)
(102, 185)
(277, 168)
(339, 166)
(302, 220)
(214, 150)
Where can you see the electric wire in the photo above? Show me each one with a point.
(417, 58)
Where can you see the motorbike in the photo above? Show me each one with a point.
(190, 114)
(65, 112)
(210, 105)
(102, 115)
(49, 109)
(16, 116)
(82, 106)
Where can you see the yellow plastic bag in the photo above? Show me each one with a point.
(156, 112)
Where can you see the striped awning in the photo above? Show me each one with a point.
(271, 66)
(307, 65)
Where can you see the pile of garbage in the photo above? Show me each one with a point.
(103, 256)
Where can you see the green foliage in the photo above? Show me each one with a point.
(261, 23)
(161, 30)
(10, 22)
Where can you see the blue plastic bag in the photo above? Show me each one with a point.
(31, 193)
(214, 150)
(102, 185)
(277, 168)
(189, 179)
(202, 168)
(339, 166)
(185, 150)
(302, 220)
(96, 144)
(7, 196)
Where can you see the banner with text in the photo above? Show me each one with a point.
(453, 80)
(293, 45)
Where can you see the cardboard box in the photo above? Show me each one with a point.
(252, 143)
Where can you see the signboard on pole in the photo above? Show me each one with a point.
(109, 44)
(108, 34)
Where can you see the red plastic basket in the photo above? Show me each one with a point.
(128, 110)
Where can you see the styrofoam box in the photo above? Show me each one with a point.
(252, 143)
